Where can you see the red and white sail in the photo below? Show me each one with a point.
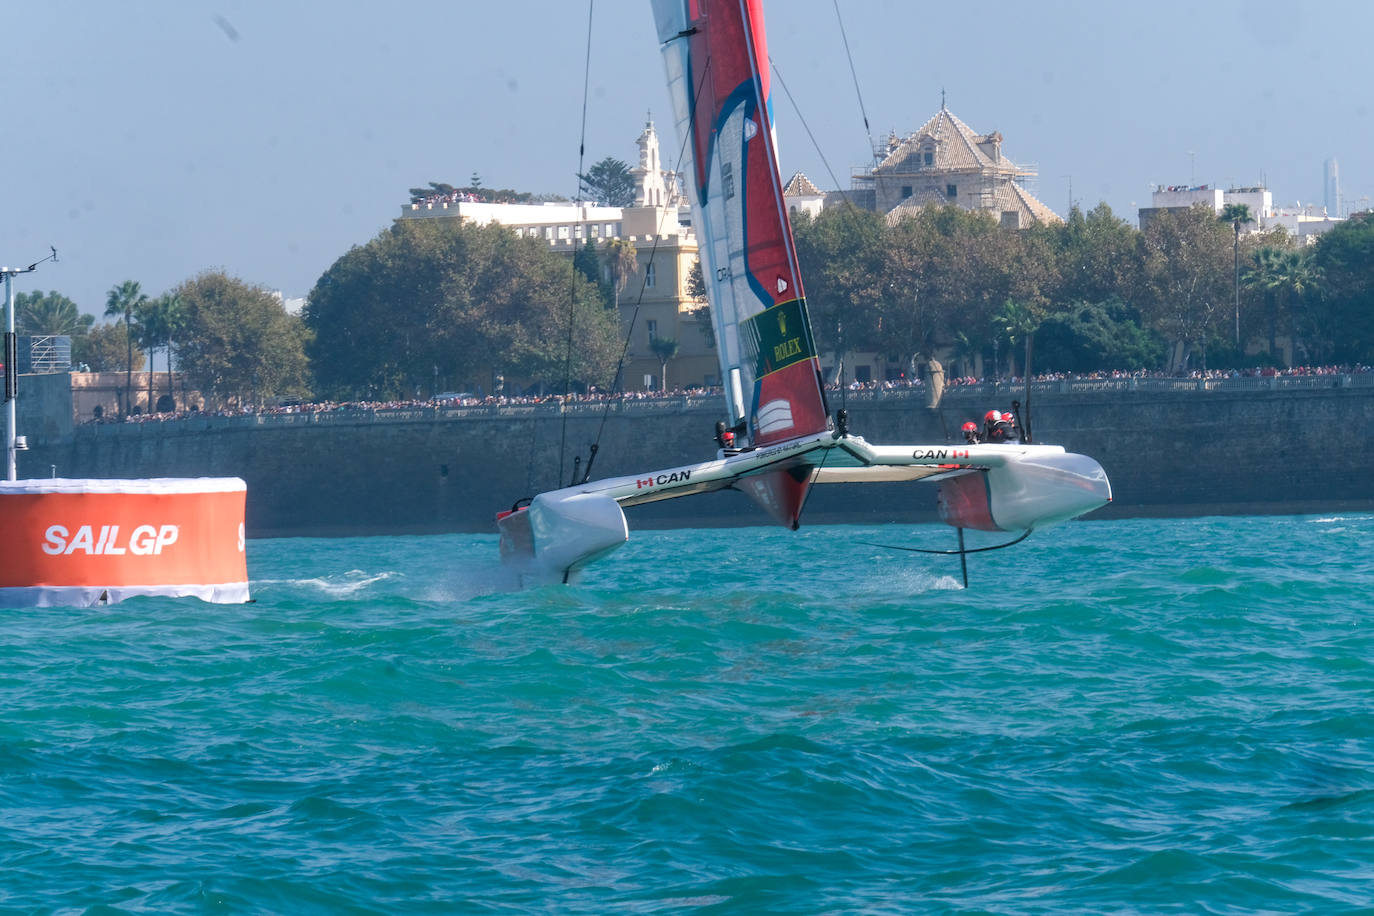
(716, 59)
(718, 79)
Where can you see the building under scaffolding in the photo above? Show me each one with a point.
(947, 162)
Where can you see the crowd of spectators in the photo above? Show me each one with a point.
(1116, 374)
(452, 197)
(596, 397)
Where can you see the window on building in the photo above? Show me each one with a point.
(653, 329)
(649, 272)
(577, 231)
(951, 191)
(548, 232)
(562, 232)
(906, 191)
(930, 158)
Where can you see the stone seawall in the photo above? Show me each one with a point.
(1167, 453)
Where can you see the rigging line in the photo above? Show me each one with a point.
(618, 383)
(572, 281)
(951, 552)
(829, 171)
(807, 127)
(855, 75)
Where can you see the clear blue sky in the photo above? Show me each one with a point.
(153, 140)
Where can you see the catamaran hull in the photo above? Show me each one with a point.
(558, 533)
(990, 487)
(1030, 492)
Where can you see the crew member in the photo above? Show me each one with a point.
(971, 433)
(990, 421)
(1002, 430)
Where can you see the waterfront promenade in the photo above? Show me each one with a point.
(975, 396)
(1171, 446)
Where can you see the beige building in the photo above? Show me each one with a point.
(947, 162)
(655, 302)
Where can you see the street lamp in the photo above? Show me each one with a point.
(12, 364)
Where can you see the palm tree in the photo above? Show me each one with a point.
(158, 320)
(1298, 276)
(174, 323)
(964, 351)
(1264, 275)
(624, 261)
(665, 348)
(1020, 321)
(1235, 214)
(49, 314)
(1285, 278)
(120, 302)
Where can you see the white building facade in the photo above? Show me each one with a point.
(655, 303)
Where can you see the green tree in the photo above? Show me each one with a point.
(121, 302)
(946, 269)
(609, 182)
(105, 348)
(1237, 215)
(239, 342)
(1345, 257)
(701, 313)
(160, 320)
(1263, 275)
(1184, 294)
(1097, 256)
(665, 348)
(471, 302)
(841, 253)
(1092, 336)
(623, 258)
(49, 313)
(588, 263)
(1301, 279)
(435, 189)
(1019, 322)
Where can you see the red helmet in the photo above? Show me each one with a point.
(970, 427)
(992, 416)
(1008, 417)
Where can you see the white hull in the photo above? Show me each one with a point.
(1022, 487)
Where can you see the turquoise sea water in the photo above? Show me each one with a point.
(1132, 716)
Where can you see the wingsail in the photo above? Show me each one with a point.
(784, 440)
(716, 61)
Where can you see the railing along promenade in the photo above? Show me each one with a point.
(974, 396)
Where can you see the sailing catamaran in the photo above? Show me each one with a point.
(780, 438)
